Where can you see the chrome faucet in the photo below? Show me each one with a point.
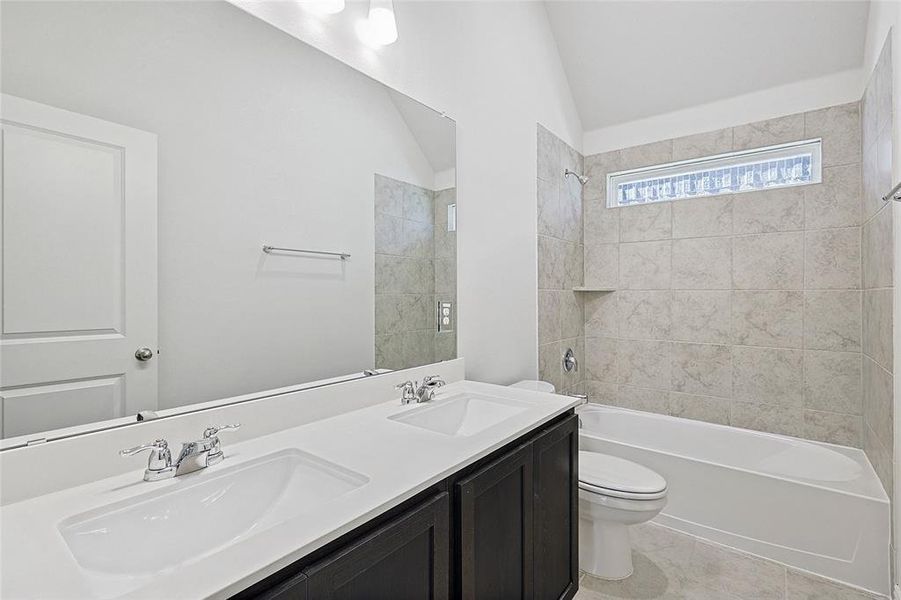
(419, 393)
(194, 455)
(426, 391)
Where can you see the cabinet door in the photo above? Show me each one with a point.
(495, 528)
(406, 558)
(556, 454)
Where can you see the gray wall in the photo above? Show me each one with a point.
(415, 265)
(739, 309)
(876, 137)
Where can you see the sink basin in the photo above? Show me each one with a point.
(462, 415)
(203, 512)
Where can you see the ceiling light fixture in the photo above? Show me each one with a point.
(323, 7)
(380, 29)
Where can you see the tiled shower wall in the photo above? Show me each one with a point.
(741, 309)
(415, 265)
(560, 253)
(876, 138)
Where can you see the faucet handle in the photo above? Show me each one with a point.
(159, 464)
(433, 381)
(409, 391)
(215, 429)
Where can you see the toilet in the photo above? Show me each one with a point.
(614, 493)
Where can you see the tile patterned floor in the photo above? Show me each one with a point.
(673, 566)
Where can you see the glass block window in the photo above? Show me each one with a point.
(798, 163)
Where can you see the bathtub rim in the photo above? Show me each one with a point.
(593, 407)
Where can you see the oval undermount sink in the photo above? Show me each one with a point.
(462, 414)
(203, 512)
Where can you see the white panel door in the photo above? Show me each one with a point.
(79, 268)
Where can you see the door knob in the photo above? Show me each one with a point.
(143, 354)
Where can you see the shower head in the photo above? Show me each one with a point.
(582, 178)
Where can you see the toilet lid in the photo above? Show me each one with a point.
(612, 473)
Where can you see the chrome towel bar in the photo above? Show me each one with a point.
(895, 194)
(271, 249)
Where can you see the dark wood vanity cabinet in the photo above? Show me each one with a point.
(555, 455)
(504, 528)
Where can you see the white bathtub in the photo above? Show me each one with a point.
(812, 506)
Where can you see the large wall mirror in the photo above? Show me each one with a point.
(150, 151)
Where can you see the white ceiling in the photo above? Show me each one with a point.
(627, 60)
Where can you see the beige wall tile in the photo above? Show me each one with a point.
(645, 265)
(571, 208)
(832, 320)
(549, 316)
(768, 376)
(839, 126)
(833, 428)
(573, 267)
(703, 369)
(646, 222)
(572, 317)
(389, 196)
(768, 318)
(600, 359)
(644, 314)
(836, 201)
(877, 326)
(780, 209)
(551, 257)
(832, 381)
(550, 221)
(770, 132)
(878, 400)
(601, 315)
(418, 204)
(601, 224)
(877, 250)
(596, 168)
(768, 417)
(702, 316)
(881, 459)
(832, 259)
(699, 408)
(704, 144)
(772, 261)
(702, 217)
(644, 363)
(389, 234)
(602, 265)
(646, 155)
(389, 351)
(636, 398)
(702, 263)
(600, 392)
(419, 347)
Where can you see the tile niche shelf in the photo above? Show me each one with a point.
(591, 288)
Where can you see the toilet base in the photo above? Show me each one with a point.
(605, 550)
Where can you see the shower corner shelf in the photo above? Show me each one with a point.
(590, 288)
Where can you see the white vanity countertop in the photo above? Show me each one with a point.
(400, 461)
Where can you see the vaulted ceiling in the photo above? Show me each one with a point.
(627, 60)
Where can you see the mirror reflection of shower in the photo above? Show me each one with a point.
(582, 178)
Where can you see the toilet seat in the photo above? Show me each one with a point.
(618, 478)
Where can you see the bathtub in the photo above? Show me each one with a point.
(812, 506)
